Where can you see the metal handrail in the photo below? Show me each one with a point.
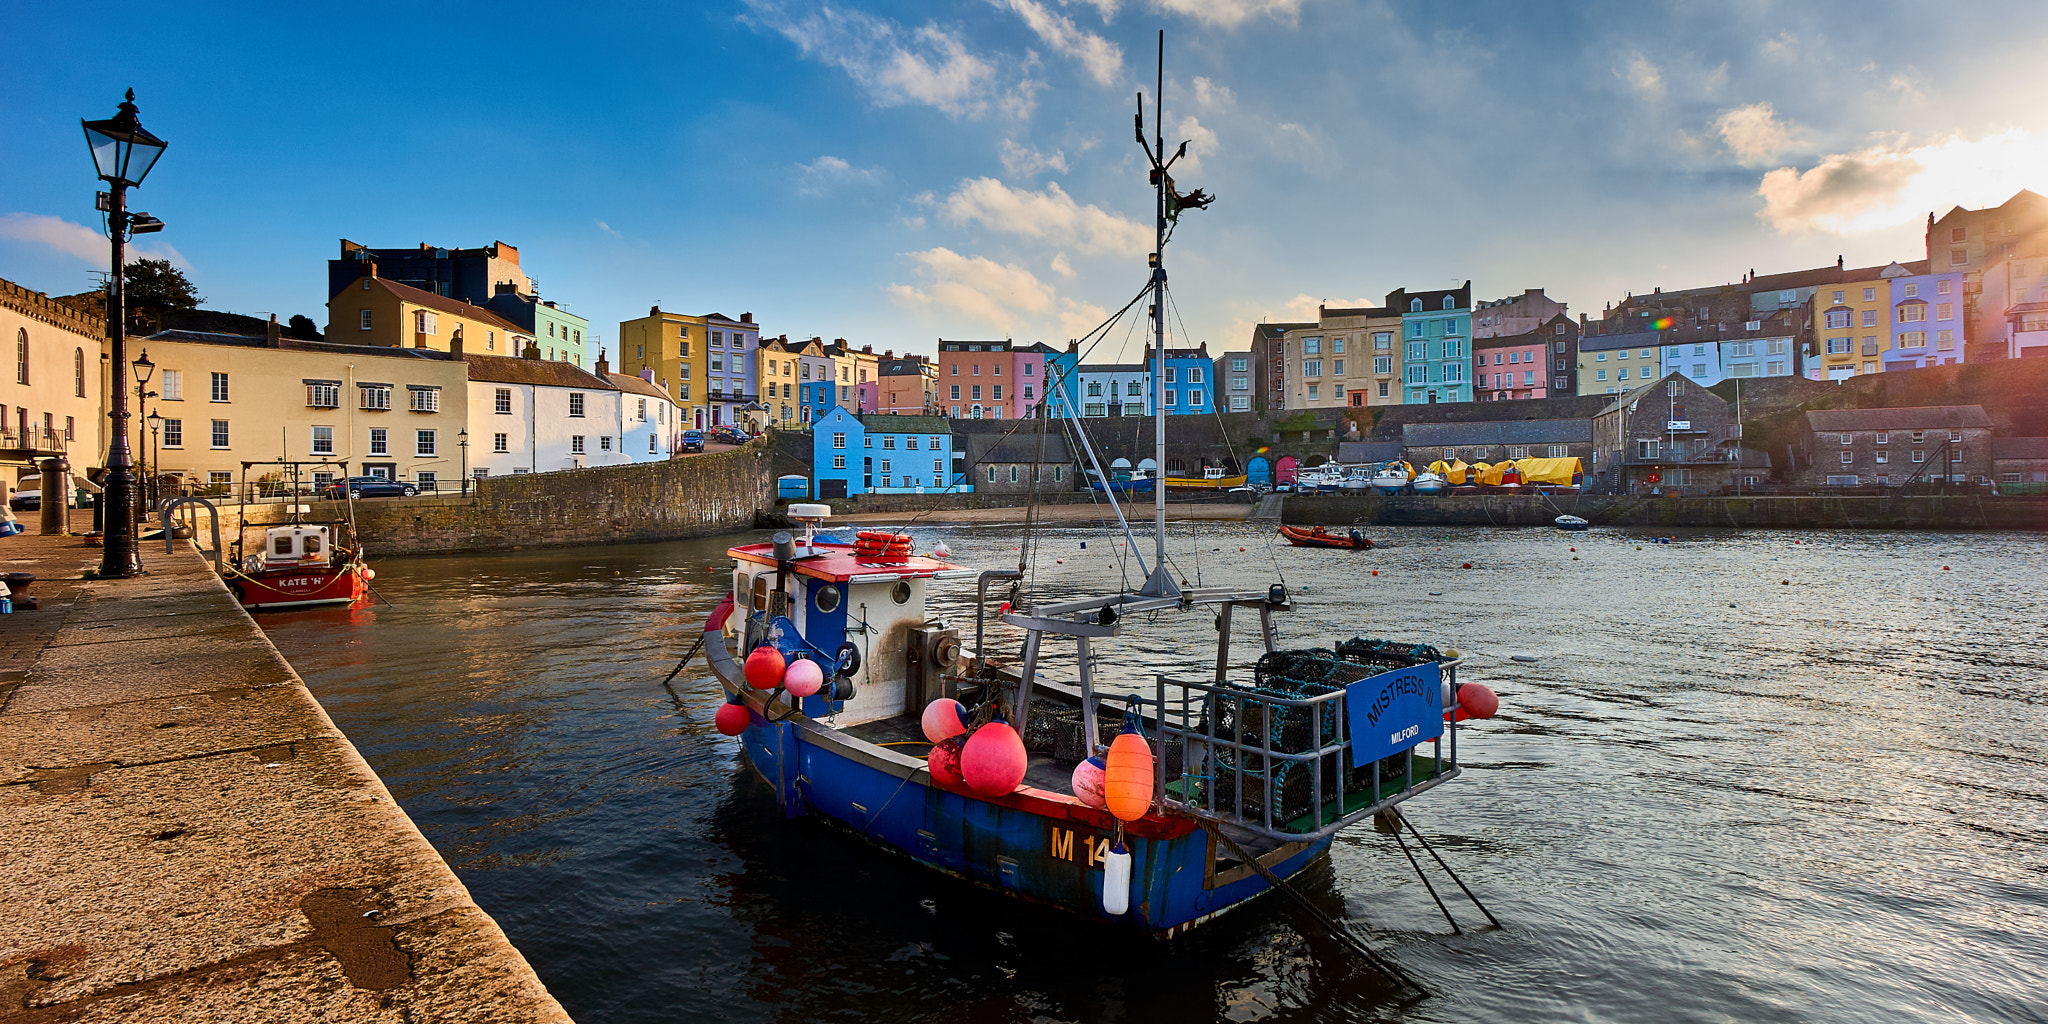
(1203, 701)
(214, 517)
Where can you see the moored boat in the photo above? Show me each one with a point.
(1571, 523)
(1393, 477)
(1318, 537)
(301, 564)
(1428, 483)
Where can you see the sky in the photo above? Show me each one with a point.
(896, 172)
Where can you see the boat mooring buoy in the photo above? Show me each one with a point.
(1524, 659)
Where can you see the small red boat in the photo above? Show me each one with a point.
(1317, 537)
(302, 566)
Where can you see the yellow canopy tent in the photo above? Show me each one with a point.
(1489, 475)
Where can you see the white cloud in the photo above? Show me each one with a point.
(1050, 215)
(609, 230)
(1906, 88)
(1105, 8)
(1212, 95)
(1102, 59)
(1754, 134)
(1024, 162)
(1643, 77)
(895, 66)
(1785, 47)
(1231, 13)
(828, 174)
(1888, 184)
(994, 296)
(78, 240)
(1060, 265)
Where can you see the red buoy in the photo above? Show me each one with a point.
(732, 717)
(944, 763)
(1478, 700)
(992, 762)
(1468, 565)
(1088, 782)
(803, 677)
(764, 668)
(944, 719)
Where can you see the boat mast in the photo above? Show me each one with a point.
(1160, 582)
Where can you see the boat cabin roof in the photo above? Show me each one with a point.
(838, 564)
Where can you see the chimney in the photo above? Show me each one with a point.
(604, 366)
(369, 268)
(455, 343)
(647, 375)
(532, 350)
(1838, 263)
(746, 318)
(276, 339)
(654, 310)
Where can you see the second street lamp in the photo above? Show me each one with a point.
(156, 456)
(144, 370)
(123, 153)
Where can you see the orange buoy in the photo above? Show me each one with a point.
(1127, 776)
(1375, 572)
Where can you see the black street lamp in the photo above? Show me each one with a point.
(144, 370)
(123, 152)
(156, 458)
(462, 442)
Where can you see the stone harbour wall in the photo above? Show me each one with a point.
(1919, 512)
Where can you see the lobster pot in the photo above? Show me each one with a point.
(1293, 785)
(1055, 729)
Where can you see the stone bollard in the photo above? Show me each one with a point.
(56, 499)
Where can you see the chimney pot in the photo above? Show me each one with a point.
(746, 318)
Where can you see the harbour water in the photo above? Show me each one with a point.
(1753, 776)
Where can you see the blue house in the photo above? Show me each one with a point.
(1436, 333)
(1189, 389)
(816, 398)
(881, 453)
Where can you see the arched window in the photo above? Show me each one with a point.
(1450, 303)
(78, 372)
(21, 356)
(1414, 305)
(1176, 467)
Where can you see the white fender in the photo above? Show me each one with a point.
(1116, 882)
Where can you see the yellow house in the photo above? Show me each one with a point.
(368, 410)
(52, 393)
(781, 376)
(374, 311)
(1852, 326)
(673, 346)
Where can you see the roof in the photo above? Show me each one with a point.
(636, 385)
(1459, 435)
(1630, 398)
(1330, 312)
(1920, 417)
(421, 297)
(1087, 368)
(894, 423)
(2019, 447)
(298, 345)
(1368, 451)
(1022, 446)
(1272, 332)
(538, 372)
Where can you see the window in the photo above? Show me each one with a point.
(1870, 318)
(220, 387)
(1777, 348)
(1837, 298)
(1239, 403)
(1883, 457)
(1838, 346)
(1312, 368)
(889, 442)
(1955, 456)
(1450, 303)
(323, 440)
(365, 316)
(1958, 257)
(576, 403)
(424, 322)
(1945, 341)
(1600, 357)
(1557, 451)
(1647, 449)
(1848, 458)
(423, 443)
(1955, 435)
(1913, 313)
(977, 392)
(1518, 451)
(1919, 456)
(650, 443)
(1944, 287)
(174, 386)
(1195, 372)
(1314, 392)
(998, 395)
(838, 462)
(1601, 375)
(1415, 306)
(1311, 346)
(1030, 370)
(1418, 350)
(1621, 374)
(575, 444)
(1870, 295)
(220, 433)
(1172, 397)
(174, 433)
(374, 396)
(1382, 364)
(839, 441)
(1944, 311)
(1337, 368)
(380, 441)
(71, 426)
(323, 395)
(1699, 369)
(1239, 365)
(423, 399)
(604, 443)
(1837, 319)
(1171, 375)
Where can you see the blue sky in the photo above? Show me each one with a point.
(894, 172)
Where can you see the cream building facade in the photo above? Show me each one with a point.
(53, 394)
(1347, 358)
(375, 311)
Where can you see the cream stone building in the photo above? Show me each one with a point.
(1348, 357)
(375, 311)
(52, 397)
(369, 410)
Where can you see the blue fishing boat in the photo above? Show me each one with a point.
(1150, 805)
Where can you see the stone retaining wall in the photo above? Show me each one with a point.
(1861, 513)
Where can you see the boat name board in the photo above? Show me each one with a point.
(1393, 711)
(1060, 843)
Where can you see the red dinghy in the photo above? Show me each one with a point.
(301, 567)
(1317, 537)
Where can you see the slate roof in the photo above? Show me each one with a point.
(1021, 446)
(421, 297)
(298, 344)
(1461, 435)
(894, 423)
(1922, 417)
(1353, 452)
(539, 372)
(636, 385)
(2019, 447)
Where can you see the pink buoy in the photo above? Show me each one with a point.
(764, 668)
(803, 678)
(944, 762)
(732, 717)
(1478, 700)
(992, 762)
(1088, 783)
(944, 719)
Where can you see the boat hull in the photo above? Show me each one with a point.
(1310, 539)
(1032, 845)
(300, 588)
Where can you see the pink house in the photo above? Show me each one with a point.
(1510, 367)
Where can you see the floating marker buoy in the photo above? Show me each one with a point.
(992, 762)
(732, 717)
(1785, 583)
(1375, 572)
(1116, 881)
(764, 668)
(1240, 550)
(1478, 700)
(803, 677)
(369, 574)
(1468, 565)
(1575, 558)
(1127, 773)
(1084, 545)
(944, 719)
(1524, 659)
(1436, 593)
(1575, 549)
(944, 762)
(1088, 778)
(1059, 561)
(1944, 568)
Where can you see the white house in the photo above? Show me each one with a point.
(538, 416)
(650, 422)
(1115, 389)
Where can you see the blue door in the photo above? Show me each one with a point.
(1259, 472)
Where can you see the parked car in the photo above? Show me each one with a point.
(693, 441)
(28, 495)
(370, 487)
(730, 435)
